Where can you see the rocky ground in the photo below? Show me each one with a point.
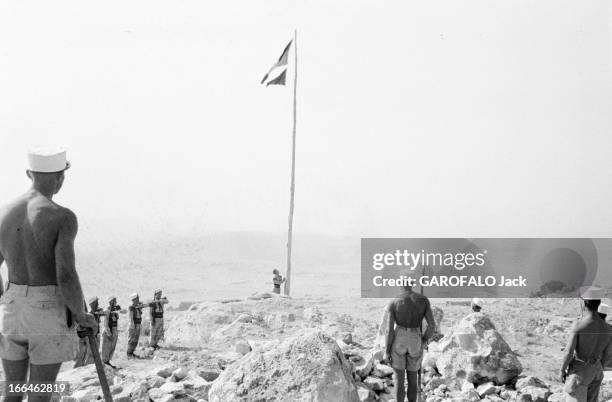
(268, 348)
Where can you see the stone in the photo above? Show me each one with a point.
(85, 395)
(156, 394)
(467, 386)
(209, 374)
(180, 373)
(374, 383)
(529, 381)
(474, 349)
(365, 394)
(165, 371)
(382, 371)
(313, 315)
(367, 365)
(155, 381)
(347, 338)
(242, 347)
(537, 394)
(306, 366)
(487, 389)
(174, 388)
(557, 397)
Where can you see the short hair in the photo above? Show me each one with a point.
(592, 305)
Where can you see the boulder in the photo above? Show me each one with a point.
(375, 383)
(487, 389)
(382, 371)
(537, 394)
(365, 394)
(155, 381)
(307, 366)
(85, 395)
(475, 350)
(209, 373)
(242, 347)
(173, 388)
(366, 365)
(180, 373)
(165, 371)
(529, 381)
(85, 377)
(347, 338)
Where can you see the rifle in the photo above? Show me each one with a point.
(93, 346)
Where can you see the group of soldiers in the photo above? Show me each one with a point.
(588, 351)
(110, 332)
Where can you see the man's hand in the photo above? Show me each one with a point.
(563, 376)
(387, 356)
(86, 320)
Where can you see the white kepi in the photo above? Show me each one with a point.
(591, 293)
(47, 159)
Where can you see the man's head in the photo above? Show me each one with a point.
(592, 304)
(477, 304)
(112, 301)
(157, 294)
(46, 167)
(135, 298)
(275, 271)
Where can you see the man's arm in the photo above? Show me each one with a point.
(67, 277)
(569, 353)
(390, 331)
(607, 355)
(131, 317)
(431, 323)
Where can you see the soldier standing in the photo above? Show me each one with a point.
(135, 325)
(110, 333)
(157, 318)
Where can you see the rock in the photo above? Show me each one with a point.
(537, 394)
(365, 394)
(85, 377)
(165, 371)
(155, 394)
(209, 374)
(374, 383)
(174, 388)
(313, 315)
(476, 350)
(524, 398)
(180, 373)
(154, 381)
(467, 386)
(471, 395)
(529, 381)
(307, 366)
(382, 371)
(487, 389)
(242, 347)
(508, 394)
(85, 395)
(365, 368)
(347, 338)
(246, 318)
(557, 397)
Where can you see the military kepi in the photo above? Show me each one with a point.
(591, 293)
(47, 160)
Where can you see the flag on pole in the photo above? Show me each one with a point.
(278, 73)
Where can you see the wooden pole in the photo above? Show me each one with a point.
(93, 347)
(292, 195)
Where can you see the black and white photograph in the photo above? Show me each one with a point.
(360, 201)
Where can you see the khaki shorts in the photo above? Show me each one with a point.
(407, 349)
(583, 382)
(33, 326)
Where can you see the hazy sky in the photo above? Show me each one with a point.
(437, 118)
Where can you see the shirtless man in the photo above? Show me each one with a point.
(43, 299)
(405, 341)
(590, 345)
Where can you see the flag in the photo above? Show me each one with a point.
(278, 73)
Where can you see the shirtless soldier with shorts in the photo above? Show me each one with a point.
(43, 300)
(405, 342)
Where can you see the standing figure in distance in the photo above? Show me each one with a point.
(134, 325)
(278, 280)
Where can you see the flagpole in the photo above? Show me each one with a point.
(292, 195)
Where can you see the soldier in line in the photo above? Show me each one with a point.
(157, 318)
(79, 360)
(97, 312)
(134, 324)
(110, 333)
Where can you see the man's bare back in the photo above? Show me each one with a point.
(29, 229)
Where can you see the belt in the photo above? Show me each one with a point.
(587, 361)
(27, 290)
(417, 329)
